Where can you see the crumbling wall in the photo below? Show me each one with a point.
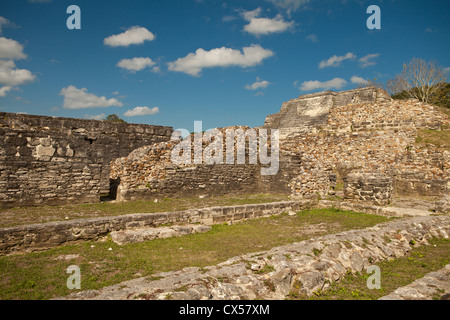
(47, 160)
(149, 172)
(373, 138)
(367, 138)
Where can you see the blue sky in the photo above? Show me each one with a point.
(223, 62)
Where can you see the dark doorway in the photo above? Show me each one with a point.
(112, 195)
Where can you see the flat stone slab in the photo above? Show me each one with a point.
(378, 210)
(405, 212)
(147, 234)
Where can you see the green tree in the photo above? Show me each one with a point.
(114, 118)
(441, 97)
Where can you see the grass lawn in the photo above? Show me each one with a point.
(42, 214)
(42, 275)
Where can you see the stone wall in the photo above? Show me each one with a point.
(375, 139)
(48, 160)
(48, 235)
(369, 188)
(53, 160)
(149, 172)
(366, 138)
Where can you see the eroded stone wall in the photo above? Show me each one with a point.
(373, 139)
(43, 236)
(47, 160)
(373, 136)
(149, 172)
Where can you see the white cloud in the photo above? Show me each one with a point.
(358, 80)
(228, 18)
(133, 35)
(262, 26)
(447, 69)
(156, 69)
(193, 63)
(336, 61)
(11, 49)
(79, 99)
(11, 76)
(336, 83)
(4, 90)
(135, 64)
(289, 5)
(141, 111)
(259, 84)
(3, 22)
(312, 38)
(95, 117)
(366, 60)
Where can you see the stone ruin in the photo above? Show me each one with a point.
(360, 143)
(49, 160)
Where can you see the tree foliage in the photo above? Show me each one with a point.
(419, 79)
(440, 97)
(114, 118)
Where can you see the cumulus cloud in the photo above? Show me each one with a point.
(193, 63)
(80, 99)
(336, 83)
(134, 35)
(135, 64)
(336, 61)
(366, 61)
(11, 76)
(358, 80)
(11, 49)
(4, 90)
(262, 26)
(141, 111)
(259, 84)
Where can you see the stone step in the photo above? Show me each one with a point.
(147, 234)
(373, 209)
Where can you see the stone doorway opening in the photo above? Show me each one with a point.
(112, 195)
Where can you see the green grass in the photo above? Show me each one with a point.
(42, 214)
(440, 139)
(42, 275)
(394, 274)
